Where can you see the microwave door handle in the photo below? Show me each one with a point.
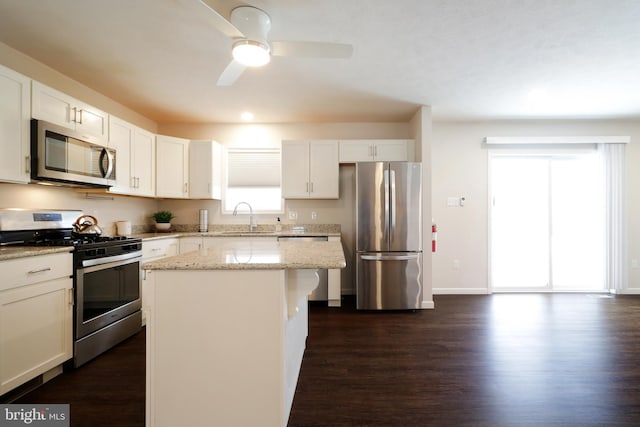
(107, 173)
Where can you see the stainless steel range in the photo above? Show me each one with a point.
(106, 275)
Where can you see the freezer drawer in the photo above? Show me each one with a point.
(389, 281)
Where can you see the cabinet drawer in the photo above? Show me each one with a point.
(159, 248)
(35, 269)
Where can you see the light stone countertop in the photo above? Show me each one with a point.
(239, 254)
(13, 252)
(169, 235)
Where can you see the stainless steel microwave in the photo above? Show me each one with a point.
(60, 155)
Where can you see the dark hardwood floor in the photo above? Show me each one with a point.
(501, 360)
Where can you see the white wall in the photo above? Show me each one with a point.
(459, 166)
(107, 211)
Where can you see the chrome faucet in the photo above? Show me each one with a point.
(252, 225)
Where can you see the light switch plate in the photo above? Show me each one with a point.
(453, 202)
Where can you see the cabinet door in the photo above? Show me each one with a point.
(90, 120)
(172, 168)
(190, 244)
(143, 163)
(324, 174)
(59, 108)
(205, 170)
(51, 105)
(356, 151)
(121, 136)
(295, 170)
(391, 151)
(14, 126)
(35, 330)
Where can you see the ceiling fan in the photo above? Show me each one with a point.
(248, 27)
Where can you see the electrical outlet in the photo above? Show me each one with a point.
(314, 215)
(634, 263)
(455, 264)
(293, 215)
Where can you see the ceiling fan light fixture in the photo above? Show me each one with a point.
(251, 53)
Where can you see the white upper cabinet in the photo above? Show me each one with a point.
(14, 126)
(56, 107)
(144, 162)
(310, 170)
(135, 158)
(205, 170)
(375, 150)
(172, 167)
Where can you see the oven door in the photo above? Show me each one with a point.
(106, 293)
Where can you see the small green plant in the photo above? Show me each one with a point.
(163, 216)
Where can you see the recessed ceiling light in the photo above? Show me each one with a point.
(246, 116)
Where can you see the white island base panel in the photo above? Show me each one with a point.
(224, 347)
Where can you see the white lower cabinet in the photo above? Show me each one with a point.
(190, 244)
(36, 317)
(153, 250)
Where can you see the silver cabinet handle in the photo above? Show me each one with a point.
(71, 298)
(186, 188)
(42, 270)
(27, 164)
(312, 187)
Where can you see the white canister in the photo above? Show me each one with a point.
(123, 228)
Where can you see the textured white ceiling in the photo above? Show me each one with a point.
(468, 59)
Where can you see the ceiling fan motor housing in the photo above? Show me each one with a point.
(254, 23)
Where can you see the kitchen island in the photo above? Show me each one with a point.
(226, 331)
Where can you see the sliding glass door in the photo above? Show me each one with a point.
(547, 223)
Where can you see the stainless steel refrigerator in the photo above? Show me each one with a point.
(388, 235)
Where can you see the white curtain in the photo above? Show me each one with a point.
(614, 169)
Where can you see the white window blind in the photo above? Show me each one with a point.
(253, 168)
(253, 177)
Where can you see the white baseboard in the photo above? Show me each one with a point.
(632, 291)
(427, 305)
(460, 291)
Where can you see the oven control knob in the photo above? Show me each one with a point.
(102, 251)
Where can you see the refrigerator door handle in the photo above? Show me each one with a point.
(386, 203)
(389, 257)
(393, 206)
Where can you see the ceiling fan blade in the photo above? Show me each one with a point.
(222, 24)
(311, 49)
(231, 74)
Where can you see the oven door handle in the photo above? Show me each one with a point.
(104, 262)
